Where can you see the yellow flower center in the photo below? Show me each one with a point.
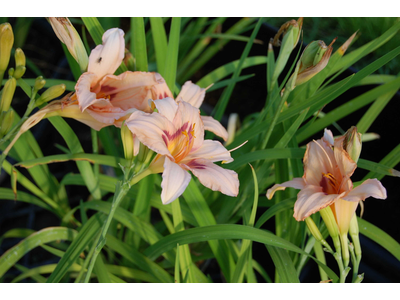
(181, 145)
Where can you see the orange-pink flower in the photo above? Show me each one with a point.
(326, 182)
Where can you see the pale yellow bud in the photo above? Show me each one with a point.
(352, 143)
(39, 83)
(70, 37)
(19, 72)
(6, 122)
(127, 141)
(6, 43)
(51, 93)
(8, 94)
(20, 59)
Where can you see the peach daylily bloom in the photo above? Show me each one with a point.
(176, 134)
(326, 182)
(108, 98)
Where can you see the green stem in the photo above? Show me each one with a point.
(120, 191)
(140, 176)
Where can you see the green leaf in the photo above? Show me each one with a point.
(172, 54)
(379, 236)
(12, 255)
(160, 42)
(138, 43)
(283, 264)
(273, 210)
(225, 231)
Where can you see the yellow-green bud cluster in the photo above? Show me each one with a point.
(51, 93)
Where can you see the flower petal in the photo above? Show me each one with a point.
(105, 112)
(297, 183)
(105, 59)
(152, 130)
(167, 107)
(212, 151)
(134, 89)
(84, 95)
(310, 200)
(214, 126)
(318, 160)
(174, 182)
(214, 177)
(188, 116)
(192, 93)
(346, 165)
(369, 188)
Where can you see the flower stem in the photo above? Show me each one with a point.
(120, 191)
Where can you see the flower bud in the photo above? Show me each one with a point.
(11, 72)
(354, 233)
(330, 222)
(6, 43)
(127, 142)
(19, 72)
(20, 59)
(316, 233)
(352, 143)
(292, 27)
(8, 94)
(39, 83)
(6, 122)
(70, 37)
(51, 93)
(314, 59)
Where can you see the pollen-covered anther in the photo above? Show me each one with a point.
(331, 179)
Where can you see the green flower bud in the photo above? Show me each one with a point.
(330, 222)
(316, 233)
(352, 143)
(292, 27)
(354, 232)
(51, 93)
(20, 59)
(6, 122)
(314, 59)
(11, 72)
(8, 94)
(19, 72)
(127, 141)
(39, 83)
(6, 43)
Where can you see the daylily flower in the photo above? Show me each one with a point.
(326, 182)
(176, 134)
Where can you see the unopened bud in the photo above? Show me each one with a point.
(19, 72)
(316, 233)
(330, 222)
(6, 122)
(6, 43)
(314, 59)
(127, 141)
(51, 93)
(291, 27)
(352, 143)
(39, 83)
(70, 37)
(354, 234)
(20, 59)
(11, 72)
(8, 94)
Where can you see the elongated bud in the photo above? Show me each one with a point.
(352, 143)
(316, 233)
(51, 93)
(70, 37)
(330, 222)
(6, 43)
(354, 234)
(314, 59)
(19, 72)
(292, 27)
(39, 83)
(6, 122)
(127, 142)
(8, 94)
(20, 59)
